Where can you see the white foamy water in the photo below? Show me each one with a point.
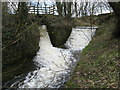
(55, 64)
(80, 37)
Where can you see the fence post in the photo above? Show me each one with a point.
(45, 8)
(53, 9)
(34, 9)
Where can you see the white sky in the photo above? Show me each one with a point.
(49, 3)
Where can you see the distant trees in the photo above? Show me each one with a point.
(64, 9)
(68, 9)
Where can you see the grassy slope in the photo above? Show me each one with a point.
(98, 66)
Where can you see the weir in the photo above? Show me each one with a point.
(54, 65)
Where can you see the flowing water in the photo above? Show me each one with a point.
(54, 65)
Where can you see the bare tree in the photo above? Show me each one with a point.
(38, 7)
(59, 8)
(76, 11)
(45, 8)
(22, 15)
(85, 8)
(69, 9)
(65, 11)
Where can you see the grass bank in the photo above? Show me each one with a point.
(99, 61)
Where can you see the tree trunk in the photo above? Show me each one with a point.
(76, 11)
(59, 8)
(45, 8)
(37, 8)
(69, 10)
(65, 9)
(22, 14)
(22, 11)
(116, 9)
(85, 9)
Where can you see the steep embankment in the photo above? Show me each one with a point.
(99, 62)
(19, 49)
(21, 41)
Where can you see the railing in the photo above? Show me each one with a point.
(42, 10)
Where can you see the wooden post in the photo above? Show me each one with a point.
(49, 10)
(45, 8)
(34, 9)
(42, 10)
(37, 8)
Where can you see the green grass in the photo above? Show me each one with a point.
(98, 65)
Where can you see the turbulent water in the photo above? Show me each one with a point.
(55, 64)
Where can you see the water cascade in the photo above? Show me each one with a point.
(54, 65)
